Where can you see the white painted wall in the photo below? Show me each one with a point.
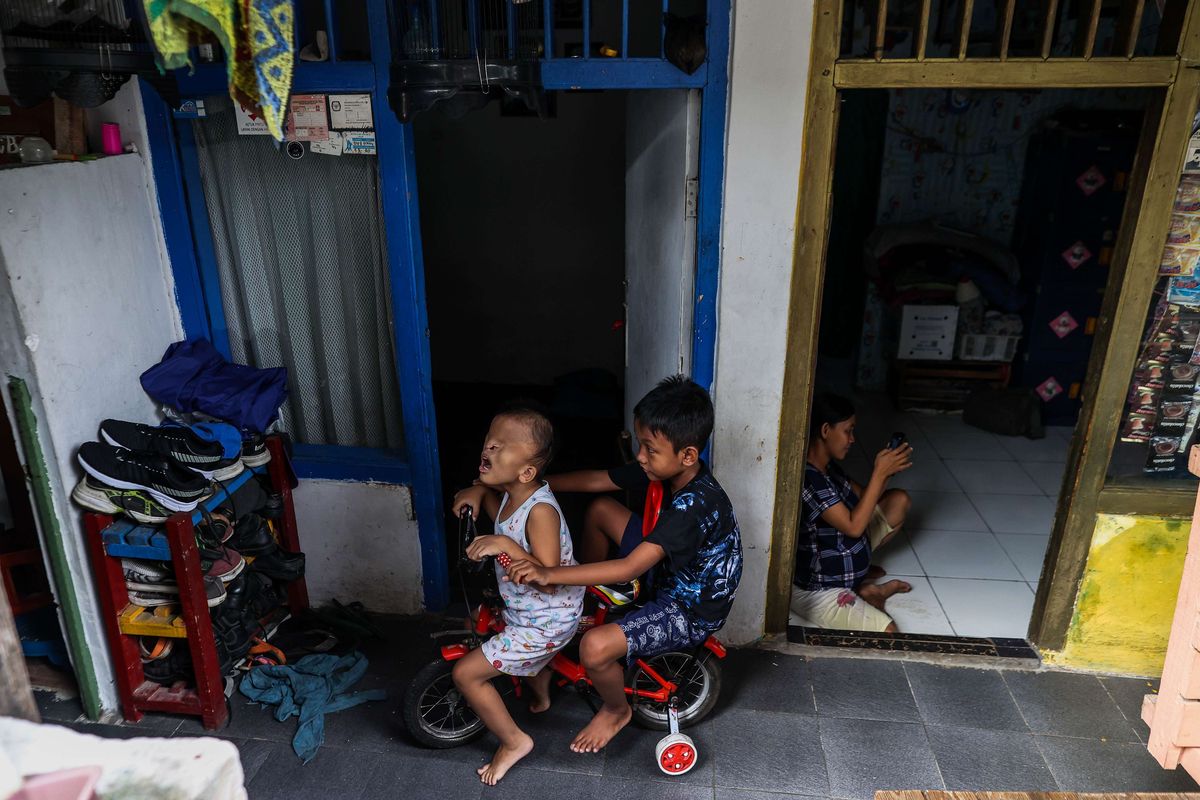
(360, 543)
(768, 80)
(661, 153)
(89, 305)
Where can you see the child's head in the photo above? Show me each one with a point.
(519, 446)
(672, 423)
(832, 423)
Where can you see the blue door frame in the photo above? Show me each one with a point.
(189, 244)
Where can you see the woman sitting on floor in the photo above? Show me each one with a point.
(842, 524)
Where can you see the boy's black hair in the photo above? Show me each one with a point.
(678, 409)
(541, 430)
(828, 409)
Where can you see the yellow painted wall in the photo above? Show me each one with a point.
(1127, 596)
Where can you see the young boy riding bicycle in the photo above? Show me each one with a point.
(694, 547)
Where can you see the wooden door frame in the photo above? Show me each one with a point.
(1142, 235)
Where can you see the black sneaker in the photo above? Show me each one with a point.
(153, 583)
(176, 442)
(254, 449)
(170, 485)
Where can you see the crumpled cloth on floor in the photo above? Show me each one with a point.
(312, 687)
(256, 36)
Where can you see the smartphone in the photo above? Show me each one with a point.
(898, 438)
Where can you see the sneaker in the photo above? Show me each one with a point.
(254, 449)
(176, 442)
(134, 503)
(151, 578)
(152, 599)
(227, 563)
(171, 486)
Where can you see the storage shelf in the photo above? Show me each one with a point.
(161, 621)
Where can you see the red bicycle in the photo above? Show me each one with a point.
(669, 691)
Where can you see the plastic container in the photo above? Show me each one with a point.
(987, 347)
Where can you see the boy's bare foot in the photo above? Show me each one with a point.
(877, 594)
(600, 731)
(491, 772)
(875, 572)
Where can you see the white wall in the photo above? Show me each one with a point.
(89, 306)
(768, 80)
(360, 543)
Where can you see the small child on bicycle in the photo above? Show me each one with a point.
(695, 547)
(539, 618)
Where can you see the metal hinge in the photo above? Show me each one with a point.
(691, 193)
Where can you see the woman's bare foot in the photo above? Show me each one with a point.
(875, 572)
(491, 772)
(877, 594)
(539, 691)
(600, 731)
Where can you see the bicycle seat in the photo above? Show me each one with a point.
(619, 594)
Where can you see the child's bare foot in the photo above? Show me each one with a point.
(600, 731)
(539, 691)
(875, 572)
(877, 594)
(504, 760)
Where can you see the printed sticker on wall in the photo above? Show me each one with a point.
(307, 120)
(360, 144)
(190, 109)
(350, 111)
(330, 147)
(1076, 255)
(249, 121)
(1063, 324)
(1049, 389)
(1090, 181)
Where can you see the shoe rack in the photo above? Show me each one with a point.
(111, 540)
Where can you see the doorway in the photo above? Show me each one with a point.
(559, 257)
(909, 47)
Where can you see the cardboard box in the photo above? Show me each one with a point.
(927, 332)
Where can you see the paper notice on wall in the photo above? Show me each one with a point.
(249, 121)
(307, 120)
(362, 144)
(350, 111)
(330, 147)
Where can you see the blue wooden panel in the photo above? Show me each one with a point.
(326, 462)
(125, 539)
(587, 29)
(398, 182)
(548, 28)
(309, 78)
(617, 73)
(331, 28)
(714, 101)
(172, 208)
(202, 239)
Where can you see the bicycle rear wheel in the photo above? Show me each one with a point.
(698, 679)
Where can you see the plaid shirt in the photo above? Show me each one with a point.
(825, 557)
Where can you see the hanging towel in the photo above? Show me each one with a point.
(312, 687)
(256, 35)
(193, 376)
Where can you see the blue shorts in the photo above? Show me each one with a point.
(632, 536)
(660, 626)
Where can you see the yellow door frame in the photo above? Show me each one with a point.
(1133, 273)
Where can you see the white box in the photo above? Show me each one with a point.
(927, 332)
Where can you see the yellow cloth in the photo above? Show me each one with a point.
(256, 36)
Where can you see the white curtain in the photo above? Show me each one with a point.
(301, 254)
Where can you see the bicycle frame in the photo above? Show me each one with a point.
(489, 620)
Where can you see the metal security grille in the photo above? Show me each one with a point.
(304, 280)
(899, 30)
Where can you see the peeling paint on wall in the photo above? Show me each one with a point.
(1127, 596)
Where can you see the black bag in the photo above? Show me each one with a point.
(1009, 412)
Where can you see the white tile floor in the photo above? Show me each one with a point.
(983, 507)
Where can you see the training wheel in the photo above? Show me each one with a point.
(676, 753)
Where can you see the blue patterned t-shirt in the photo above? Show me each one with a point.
(702, 544)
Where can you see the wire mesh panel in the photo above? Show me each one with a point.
(303, 272)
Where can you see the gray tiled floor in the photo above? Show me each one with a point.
(785, 726)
